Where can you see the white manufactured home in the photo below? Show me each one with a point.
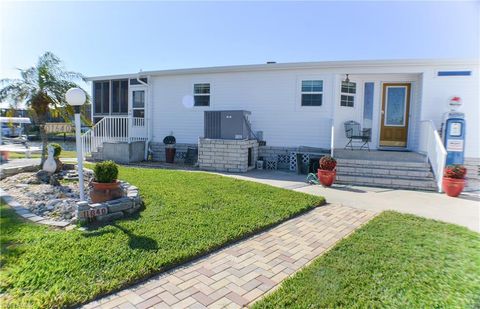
(399, 103)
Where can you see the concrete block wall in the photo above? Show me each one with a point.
(226, 155)
(281, 153)
(159, 151)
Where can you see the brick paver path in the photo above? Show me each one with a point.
(240, 274)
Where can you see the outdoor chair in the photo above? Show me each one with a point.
(355, 135)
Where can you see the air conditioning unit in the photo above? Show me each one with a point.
(233, 124)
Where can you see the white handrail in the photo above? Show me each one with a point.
(431, 145)
(110, 129)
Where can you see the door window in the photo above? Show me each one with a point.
(395, 106)
(138, 107)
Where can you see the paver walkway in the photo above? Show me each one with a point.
(240, 274)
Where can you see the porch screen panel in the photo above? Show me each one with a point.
(101, 97)
(368, 105)
(120, 96)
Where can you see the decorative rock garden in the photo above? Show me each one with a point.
(54, 198)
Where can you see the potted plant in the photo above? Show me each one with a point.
(170, 150)
(454, 180)
(326, 172)
(57, 150)
(105, 186)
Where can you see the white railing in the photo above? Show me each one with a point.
(138, 122)
(431, 145)
(109, 129)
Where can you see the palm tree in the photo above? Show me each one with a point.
(42, 88)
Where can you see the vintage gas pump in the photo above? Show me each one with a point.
(454, 133)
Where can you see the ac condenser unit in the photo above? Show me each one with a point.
(227, 124)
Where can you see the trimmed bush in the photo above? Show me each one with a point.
(57, 149)
(105, 172)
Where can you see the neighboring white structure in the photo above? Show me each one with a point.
(296, 104)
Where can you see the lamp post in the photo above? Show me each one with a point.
(76, 97)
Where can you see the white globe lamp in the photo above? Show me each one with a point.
(75, 97)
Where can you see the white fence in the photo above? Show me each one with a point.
(431, 145)
(110, 129)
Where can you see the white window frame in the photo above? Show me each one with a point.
(203, 94)
(353, 95)
(311, 92)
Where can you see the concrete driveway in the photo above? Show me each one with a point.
(464, 210)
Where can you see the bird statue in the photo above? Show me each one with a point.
(50, 165)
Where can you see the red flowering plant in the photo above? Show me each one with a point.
(455, 171)
(327, 163)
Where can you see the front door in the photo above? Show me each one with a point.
(136, 110)
(395, 109)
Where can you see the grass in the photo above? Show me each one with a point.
(395, 261)
(65, 154)
(187, 214)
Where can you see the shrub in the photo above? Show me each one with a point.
(455, 171)
(57, 149)
(169, 140)
(327, 163)
(106, 171)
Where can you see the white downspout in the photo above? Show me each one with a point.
(147, 119)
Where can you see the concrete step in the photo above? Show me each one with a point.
(394, 174)
(97, 156)
(406, 173)
(388, 182)
(383, 164)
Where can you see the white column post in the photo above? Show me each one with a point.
(79, 154)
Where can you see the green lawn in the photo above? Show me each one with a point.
(395, 261)
(187, 214)
(64, 154)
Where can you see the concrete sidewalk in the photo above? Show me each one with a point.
(464, 210)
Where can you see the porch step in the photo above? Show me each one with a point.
(387, 174)
(97, 155)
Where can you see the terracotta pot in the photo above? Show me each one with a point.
(101, 192)
(170, 155)
(452, 186)
(326, 177)
(5, 155)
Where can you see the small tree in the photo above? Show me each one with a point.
(43, 87)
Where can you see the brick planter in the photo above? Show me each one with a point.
(110, 210)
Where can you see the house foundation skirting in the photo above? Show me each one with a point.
(158, 151)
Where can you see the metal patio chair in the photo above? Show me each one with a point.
(356, 135)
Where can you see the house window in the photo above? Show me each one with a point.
(119, 96)
(368, 105)
(101, 96)
(312, 92)
(347, 96)
(454, 73)
(201, 94)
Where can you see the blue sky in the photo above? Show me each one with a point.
(102, 38)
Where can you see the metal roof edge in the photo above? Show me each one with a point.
(294, 65)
